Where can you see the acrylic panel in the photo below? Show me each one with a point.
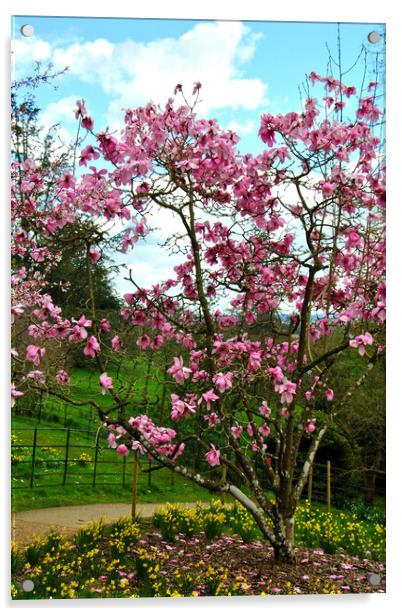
(198, 307)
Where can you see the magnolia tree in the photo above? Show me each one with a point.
(292, 237)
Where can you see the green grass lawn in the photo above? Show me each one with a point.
(114, 474)
(58, 484)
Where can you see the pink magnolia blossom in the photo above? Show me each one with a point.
(213, 456)
(254, 362)
(79, 330)
(208, 397)
(180, 408)
(105, 325)
(212, 419)
(287, 391)
(122, 450)
(236, 431)
(34, 354)
(144, 342)
(116, 343)
(222, 381)
(111, 439)
(197, 87)
(250, 429)
(37, 375)
(264, 430)
(105, 382)
(178, 371)
(360, 342)
(329, 394)
(62, 378)
(264, 409)
(95, 255)
(276, 373)
(15, 394)
(310, 425)
(92, 347)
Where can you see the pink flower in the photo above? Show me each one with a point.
(34, 354)
(15, 394)
(236, 431)
(254, 362)
(88, 153)
(208, 396)
(105, 382)
(212, 419)
(287, 391)
(87, 122)
(116, 343)
(62, 378)
(329, 394)
(144, 342)
(264, 409)
(222, 381)
(276, 373)
(95, 255)
(360, 342)
(250, 429)
(178, 371)
(197, 86)
(123, 450)
(213, 456)
(105, 325)
(92, 347)
(354, 240)
(265, 430)
(80, 110)
(310, 425)
(111, 439)
(180, 408)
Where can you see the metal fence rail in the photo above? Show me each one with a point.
(66, 465)
(57, 458)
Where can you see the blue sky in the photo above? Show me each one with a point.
(258, 64)
(246, 68)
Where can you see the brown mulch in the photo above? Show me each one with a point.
(313, 572)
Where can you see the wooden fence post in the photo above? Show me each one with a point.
(135, 481)
(224, 473)
(328, 485)
(124, 471)
(96, 457)
(66, 457)
(33, 456)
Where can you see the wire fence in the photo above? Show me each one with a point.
(54, 457)
(50, 457)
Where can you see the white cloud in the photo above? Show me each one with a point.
(59, 112)
(150, 264)
(26, 51)
(242, 128)
(131, 73)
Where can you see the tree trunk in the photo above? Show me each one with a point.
(369, 488)
(284, 539)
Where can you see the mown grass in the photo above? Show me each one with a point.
(114, 476)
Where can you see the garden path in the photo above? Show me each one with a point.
(27, 524)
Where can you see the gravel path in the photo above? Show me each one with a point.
(27, 524)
